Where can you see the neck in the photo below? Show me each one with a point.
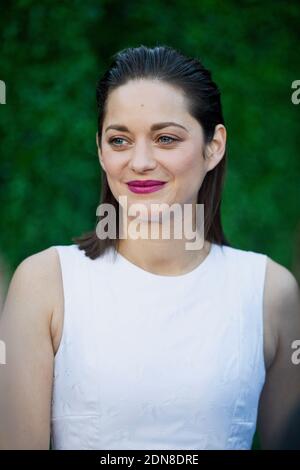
(163, 256)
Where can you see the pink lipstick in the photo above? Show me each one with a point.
(145, 186)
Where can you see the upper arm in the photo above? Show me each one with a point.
(280, 398)
(26, 378)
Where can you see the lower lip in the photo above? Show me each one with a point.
(145, 189)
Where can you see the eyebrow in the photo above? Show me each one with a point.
(154, 127)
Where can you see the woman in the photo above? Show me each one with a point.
(162, 347)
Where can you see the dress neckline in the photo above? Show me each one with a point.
(201, 268)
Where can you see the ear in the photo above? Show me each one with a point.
(215, 150)
(99, 153)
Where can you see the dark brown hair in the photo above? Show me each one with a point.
(204, 104)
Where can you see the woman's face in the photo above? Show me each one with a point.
(171, 153)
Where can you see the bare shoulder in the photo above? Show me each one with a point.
(39, 276)
(281, 303)
(29, 324)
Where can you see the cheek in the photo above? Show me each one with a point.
(113, 163)
(189, 172)
(189, 165)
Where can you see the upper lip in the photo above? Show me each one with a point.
(144, 182)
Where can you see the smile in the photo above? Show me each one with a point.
(145, 189)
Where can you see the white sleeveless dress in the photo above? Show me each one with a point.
(148, 361)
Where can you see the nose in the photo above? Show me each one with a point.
(141, 158)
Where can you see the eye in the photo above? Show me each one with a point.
(168, 137)
(111, 141)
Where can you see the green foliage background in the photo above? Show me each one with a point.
(52, 54)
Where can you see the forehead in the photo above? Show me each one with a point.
(146, 100)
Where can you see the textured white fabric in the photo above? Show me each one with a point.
(148, 361)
